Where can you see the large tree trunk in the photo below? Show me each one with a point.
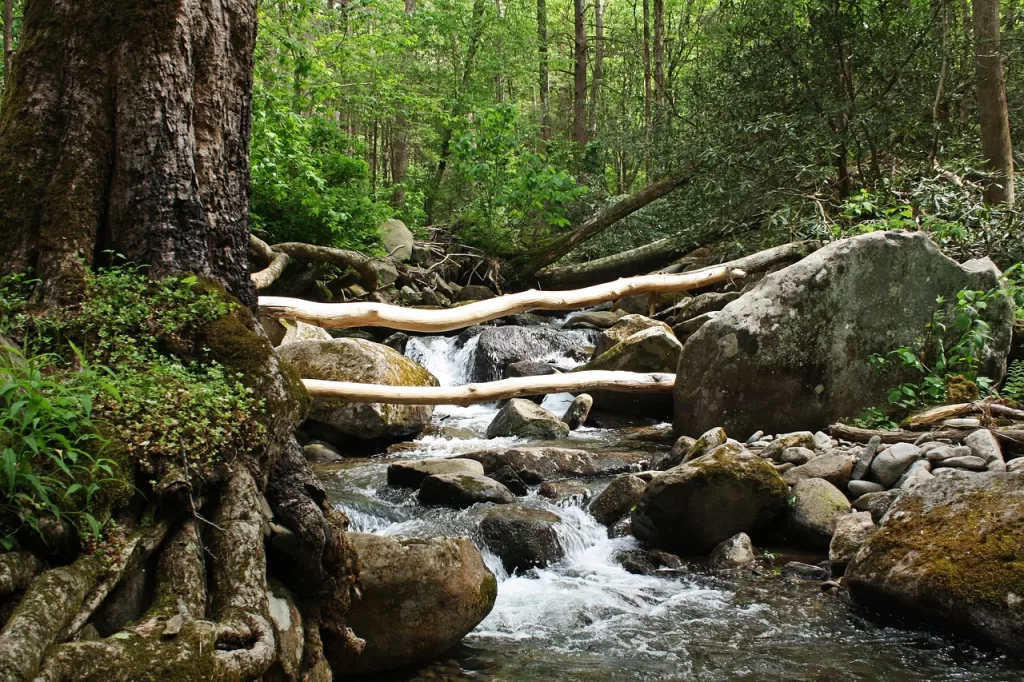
(647, 87)
(8, 39)
(992, 109)
(598, 78)
(579, 102)
(126, 130)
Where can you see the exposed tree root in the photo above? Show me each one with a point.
(17, 569)
(277, 257)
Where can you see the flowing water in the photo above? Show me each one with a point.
(586, 618)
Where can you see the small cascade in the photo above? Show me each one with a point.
(449, 358)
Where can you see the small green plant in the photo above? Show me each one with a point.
(1014, 386)
(51, 447)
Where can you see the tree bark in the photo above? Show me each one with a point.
(126, 130)
(598, 77)
(343, 315)
(543, 85)
(647, 87)
(471, 394)
(659, 52)
(605, 219)
(992, 109)
(579, 104)
(8, 40)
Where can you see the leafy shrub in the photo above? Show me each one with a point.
(163, 398)
(51, 447)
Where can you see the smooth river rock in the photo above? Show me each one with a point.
(693, 507)
(618, 499)
(410, 473)
(525, 419)
(459, 491)
(538, 464)
(420, 597)
(816, 506)
(522, 537)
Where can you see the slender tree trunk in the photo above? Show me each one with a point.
(543, 84)
(992, 109)
(446, 137)
(598, 78)
(940, 108)
(579, 106)
(647, 87)
(127, 145)
(8, 39)
(659, 52)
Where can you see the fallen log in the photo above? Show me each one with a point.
(574, 382)
(278, 255)
(858, 435)
(604, 219)
(340, 315)
(939, 414)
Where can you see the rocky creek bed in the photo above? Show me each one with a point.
(603, 610)
(585, 617)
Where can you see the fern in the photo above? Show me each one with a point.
(1014, 386)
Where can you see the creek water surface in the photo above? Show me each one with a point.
(586, 618)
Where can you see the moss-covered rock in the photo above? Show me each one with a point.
(363, 362)
(654, 349)
(694, 506)
(623, 328)
(951, 550)
(817, 504)
(525, 419)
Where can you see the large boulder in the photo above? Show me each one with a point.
(410, 473)
(368, 363)
(654, 349)
(851, 532)
(792, 353)
(522, 537)
(538, 464)
(951, 550)
(398, 239)
(732, 553)
(459, 491)
(695, 506)
(498, 347)
(526, 419)
(420, 597)
(625, 327)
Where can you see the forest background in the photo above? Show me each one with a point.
(502, 123)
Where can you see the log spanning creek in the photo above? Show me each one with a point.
(586, 617)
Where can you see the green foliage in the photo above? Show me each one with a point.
(51, 447)
(164, 399)
(947, 357)
(1013, 388)
(517, 193)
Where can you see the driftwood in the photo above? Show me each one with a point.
(340, 315)
(937, 415)
(605, 219)
(573, 382)
(852, 433)
(278, 255)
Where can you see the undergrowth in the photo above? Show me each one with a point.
(99, 392)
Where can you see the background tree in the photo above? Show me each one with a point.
(992, 107)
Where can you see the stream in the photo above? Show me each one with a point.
(586, 618)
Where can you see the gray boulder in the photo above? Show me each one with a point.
(889, 464)
(693, 507)
(576, 415)
(952, 551)
(508, 478)
(797, 456)
(410, 473)
(321, 453)
(530, 368)
(782, 442)
(420, 597)
(300, 331)
(984, 445)
(732, 553)
(792, 353)
(618, 499)
(623, 328)
(363, 362)
(539, 464)
(850, 534)
(707, 442)
(522, 537)
(816, 506)
(526, 419)
(474, 292)
(865, 457)
(462, 490)
(858, 488)
(602, 319)
(877, 504)
(398, 239)
(498, 347)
